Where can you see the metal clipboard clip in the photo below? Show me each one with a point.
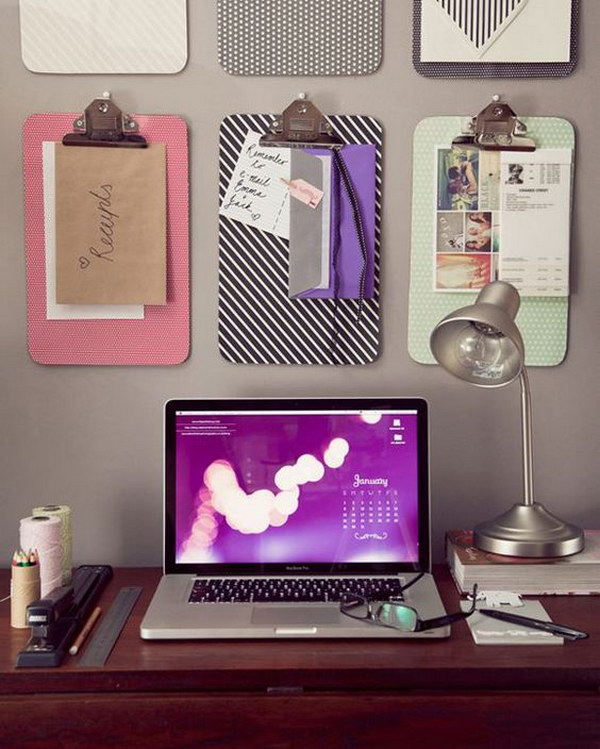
(301, 125)
(496, 128)
(104, 124)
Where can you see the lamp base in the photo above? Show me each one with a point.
(528, 531)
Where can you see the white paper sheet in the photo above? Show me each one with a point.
(56, 311)
(256, 195)
(326, 243)
(535, 224)
(488, 631)
(526, 35)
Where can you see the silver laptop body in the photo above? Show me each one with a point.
(267, 497)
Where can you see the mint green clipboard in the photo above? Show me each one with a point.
(543, 321)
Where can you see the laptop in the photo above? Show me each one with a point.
(276, 510)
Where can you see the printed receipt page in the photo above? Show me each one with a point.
(535, 226)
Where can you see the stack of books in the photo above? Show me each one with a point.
(575, 575)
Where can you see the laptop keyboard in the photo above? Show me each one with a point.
(292, 590)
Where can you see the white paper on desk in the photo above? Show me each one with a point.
(535, 221)
(56, 311)
(256, 195)
(518, 33)
(488, 631)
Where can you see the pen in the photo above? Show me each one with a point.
(556, 629)
(80, 639)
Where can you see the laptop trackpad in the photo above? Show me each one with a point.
(307, 615)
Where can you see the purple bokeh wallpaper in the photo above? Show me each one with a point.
(317, 487)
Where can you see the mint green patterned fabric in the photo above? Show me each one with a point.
(543, 321)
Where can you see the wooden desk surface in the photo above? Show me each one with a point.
(308, 694)
(136, 665)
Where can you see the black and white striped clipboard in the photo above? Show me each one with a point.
(258, 322)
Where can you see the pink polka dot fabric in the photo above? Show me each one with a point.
(163, 336)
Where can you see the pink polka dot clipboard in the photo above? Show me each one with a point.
(162, 337)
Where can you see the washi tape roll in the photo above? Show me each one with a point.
(64, 513)
(43, 534)
(24, 589)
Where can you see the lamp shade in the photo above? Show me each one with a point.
(481, 343)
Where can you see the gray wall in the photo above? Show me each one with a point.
(91, 437)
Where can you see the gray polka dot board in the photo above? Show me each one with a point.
(300, 37)
(543, 321)
(494, 38)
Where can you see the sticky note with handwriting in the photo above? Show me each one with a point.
(303, 191)
(111, 214)
(257, 194)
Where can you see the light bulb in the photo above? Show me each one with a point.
(479, 349)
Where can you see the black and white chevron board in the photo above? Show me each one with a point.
(258, 322)
(481, 21)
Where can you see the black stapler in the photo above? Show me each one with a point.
(56, 618)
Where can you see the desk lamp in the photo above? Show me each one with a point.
(481, 344)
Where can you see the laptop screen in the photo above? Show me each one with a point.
(299, 488)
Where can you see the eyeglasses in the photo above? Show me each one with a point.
(398, 615)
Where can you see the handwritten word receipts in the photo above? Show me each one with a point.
(107, 234)
(111, 216)
(257, 194)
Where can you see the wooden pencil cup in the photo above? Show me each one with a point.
(24, 589)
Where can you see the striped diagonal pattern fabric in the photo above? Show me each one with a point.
(481, 20)
(103, 36)
(258, 322)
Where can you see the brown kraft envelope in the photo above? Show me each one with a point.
(111, 225)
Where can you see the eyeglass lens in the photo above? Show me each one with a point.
(398, 615)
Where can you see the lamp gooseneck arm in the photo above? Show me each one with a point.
(526, 432)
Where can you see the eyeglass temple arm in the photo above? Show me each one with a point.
(441, 621)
